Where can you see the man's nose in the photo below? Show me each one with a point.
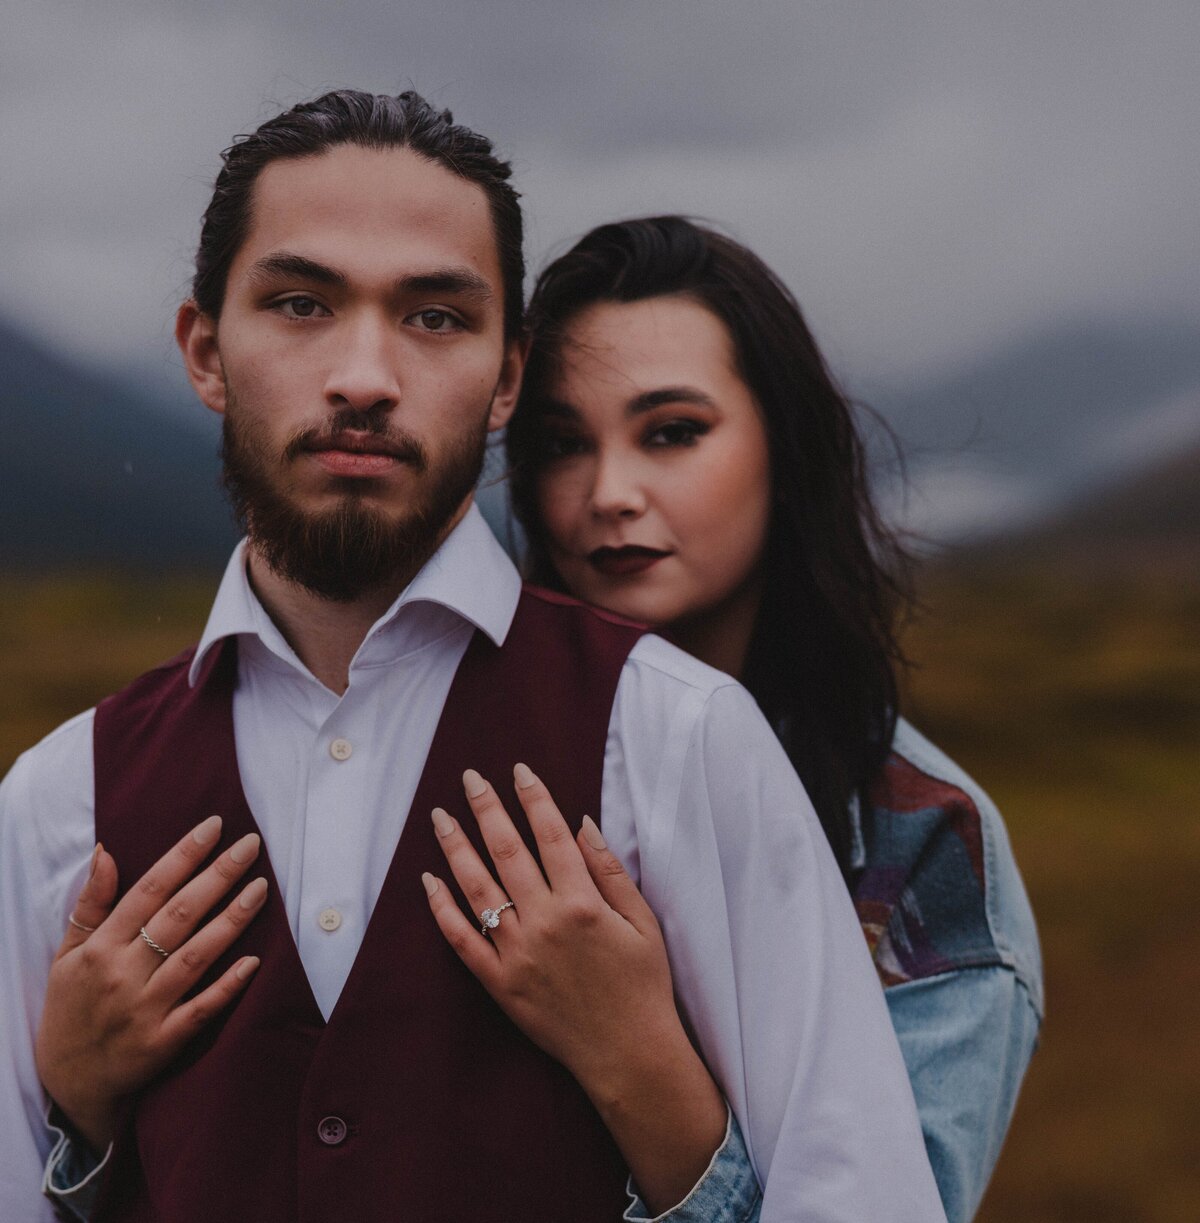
(617, 490)
(365, 373)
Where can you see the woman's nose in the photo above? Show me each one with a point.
(616, 490)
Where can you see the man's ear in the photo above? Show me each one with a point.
(504, 401)
(196, 335)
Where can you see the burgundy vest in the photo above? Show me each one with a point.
(418, 1100)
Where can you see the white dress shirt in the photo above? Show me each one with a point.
(698, 800)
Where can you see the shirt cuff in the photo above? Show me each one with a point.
(74, 1172)
(728, 1192)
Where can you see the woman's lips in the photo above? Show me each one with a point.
(621, 562)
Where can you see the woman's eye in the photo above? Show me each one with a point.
(677, 433)
(561, 446)
(299, 307)
(437, 320)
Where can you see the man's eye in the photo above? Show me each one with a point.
(437, 320)
(677, 433)
(299, 307)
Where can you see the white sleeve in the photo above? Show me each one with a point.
(775, 979)
(46, 838)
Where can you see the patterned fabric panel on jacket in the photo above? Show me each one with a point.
(921, 896)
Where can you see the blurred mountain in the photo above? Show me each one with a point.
(1161, 504)
(97, 473)
(1044, 405)
(1147, 523)
(1030, 427)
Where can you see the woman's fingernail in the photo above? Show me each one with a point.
(253, 894)
(207, 833)
(442, 823)
(245, 849)
(95, 860)
(431, 884)
(592, 834)
(473, 784)
(523, 776)
(247, 966)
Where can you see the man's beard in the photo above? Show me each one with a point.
(345, 552)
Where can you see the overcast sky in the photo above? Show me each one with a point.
(933, 180)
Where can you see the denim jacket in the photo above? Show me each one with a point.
(944, 910)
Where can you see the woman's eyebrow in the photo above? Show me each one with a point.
(669, 394)
(644, 402)
(548, 406)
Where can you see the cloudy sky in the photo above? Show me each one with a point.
(934, 180)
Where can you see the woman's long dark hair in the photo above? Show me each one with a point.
(824, 654)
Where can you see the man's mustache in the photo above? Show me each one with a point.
(374, 434)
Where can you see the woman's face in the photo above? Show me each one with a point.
(655, 492)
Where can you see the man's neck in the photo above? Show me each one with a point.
(325, 634)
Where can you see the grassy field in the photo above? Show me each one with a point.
(1075, 702)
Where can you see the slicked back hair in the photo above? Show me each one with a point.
(372, 121)
(824, 655)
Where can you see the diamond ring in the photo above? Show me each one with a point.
(490, 918)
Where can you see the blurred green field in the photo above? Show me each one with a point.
(1075, 701)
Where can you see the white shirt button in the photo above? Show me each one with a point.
(340, 749)
(329, 919)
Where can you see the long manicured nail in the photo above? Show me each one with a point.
(247, 966)
(95, 859)
(431, 884)
(443, 825)
(592, 834)
(252, 895)
(523, 776)
(473, 784)
(207, 833)
(245, 849)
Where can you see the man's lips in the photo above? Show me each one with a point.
(621, 562)
(358, 454)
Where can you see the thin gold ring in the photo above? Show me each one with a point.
(162, 951)
(79, 925)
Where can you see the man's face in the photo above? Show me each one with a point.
(359, 361)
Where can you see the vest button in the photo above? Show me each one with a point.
(340, 749)
(331, 1130)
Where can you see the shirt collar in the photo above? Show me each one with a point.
(469, 575)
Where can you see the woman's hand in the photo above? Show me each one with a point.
(113, 1016)
(580, 966)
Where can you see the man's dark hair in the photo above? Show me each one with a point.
(372, 121)
(824, 654)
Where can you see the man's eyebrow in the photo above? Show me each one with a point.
(285, 265)
(455, 281)
(669, 394)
